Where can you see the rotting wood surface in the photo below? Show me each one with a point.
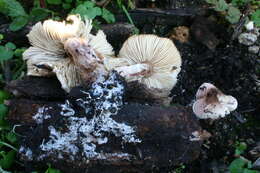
(165, 134)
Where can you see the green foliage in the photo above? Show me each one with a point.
(108, 16)
(7, 51)
(20, 18)
(14, 9)
(232, 10)
(1, 37)
(7, 158)
(241, 164)
(52, 170)
(87, 9)
(4, 96)
(240, 148)
(256, 17)
(221, 5)
(38, 14)
(180, 169)
(90, 10)
(122, 6)
(233, 15)
(54, 2)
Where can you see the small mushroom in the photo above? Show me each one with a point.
(150, 60)
(212, 103)
(49, 56)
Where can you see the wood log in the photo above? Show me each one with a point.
(136, 138)
(165, 133)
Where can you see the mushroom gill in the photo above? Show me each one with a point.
(48, 56)
(212, 103)
(150, 60)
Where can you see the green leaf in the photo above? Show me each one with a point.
(237, 165)
(88, 10)
(54, 2)
(51, 170)
(240, 148)
(250, 171)
(7, 159)
(19, 52)
(11, 137)
(233, 15)
(3, 96)
(10, 45)
(211, 1)
(256, 17)
(221, 5)
(1, 36)
(66, 5)
(18, 23)
(108, 16)
(68, 1)
(89, 4)
(5, 53)
(12, 8)
(3, 113)
(38, 14)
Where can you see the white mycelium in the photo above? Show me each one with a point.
(41, 115)
(85, 134)
(27, 152)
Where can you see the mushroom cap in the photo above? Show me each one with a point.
(159, 53)
(48, 39)
(212, 103)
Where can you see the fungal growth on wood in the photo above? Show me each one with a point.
(212, 103)
(153, 61)
(83, 133)
(50, 51)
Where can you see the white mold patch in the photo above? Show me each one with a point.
(66, 109)
(27, 152)
(41, 115)
(85, 135)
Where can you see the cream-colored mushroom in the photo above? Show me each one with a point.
(149, 59)
(48, 39)
(212, 103)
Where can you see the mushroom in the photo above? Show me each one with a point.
(212, 103)
(151, 60)
(49, 56)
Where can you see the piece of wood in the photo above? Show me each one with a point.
(37, 88)
(143, 138)
(165, 133)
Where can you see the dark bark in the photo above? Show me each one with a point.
(37, 88)
(165, 133)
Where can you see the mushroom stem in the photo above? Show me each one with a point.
(142, 69)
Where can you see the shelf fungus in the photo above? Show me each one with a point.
(151, 60)
(54, 51)
(212, 103)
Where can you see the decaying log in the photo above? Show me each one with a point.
(171, 17)
(37, 88)
(136, 138)
(117, 33)
(165, 133)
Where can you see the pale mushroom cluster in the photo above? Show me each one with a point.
(212, 103)
(69, 51)
(49, 56)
